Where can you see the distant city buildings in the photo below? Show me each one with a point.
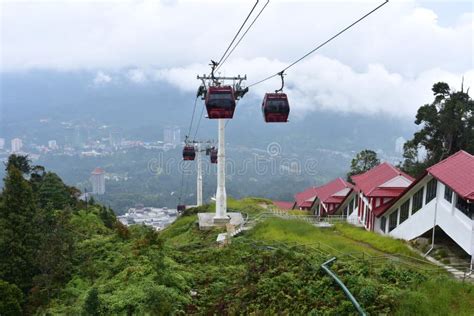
(2, 143)
(17, 144)
(52, 144)
(114, 139)
(98, 181)
(399, 142)
(172, 135)
(158, 218)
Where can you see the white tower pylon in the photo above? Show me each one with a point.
(199, 176)
(221, 196)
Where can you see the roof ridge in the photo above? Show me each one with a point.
(459, 152)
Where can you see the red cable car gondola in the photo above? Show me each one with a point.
(220, 102)
(275, 106)
(213, 155)
(189, 153)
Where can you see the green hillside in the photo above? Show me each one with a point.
(71, 258)
(264, 271)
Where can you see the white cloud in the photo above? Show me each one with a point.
(403, 36)
(387, 63)
(137, 76)
(102, 78)
(322, 83)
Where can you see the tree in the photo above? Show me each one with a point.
(18, 230)
(447, 127)
(363, 161)
(92, 303)
(22, 163)
(55, 253)
(10, 299)
(52, 190)
(107, 216)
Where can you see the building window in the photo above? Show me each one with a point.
(351, 206)
(392, 221)
(448, 194)
(417, 201)
(383, 222)
(463, 206)
(431, 190)
(356, 200)
(404, 211)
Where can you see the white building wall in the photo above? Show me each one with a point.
(452, 221)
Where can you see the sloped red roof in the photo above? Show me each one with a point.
(457, 172)
(334, 199)
(387, 192)
(326, 192)
(344, 199)
(323, 192)
(302, 197)
(369, 181)
(98, 171)
(284, 205)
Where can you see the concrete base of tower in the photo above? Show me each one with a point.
(209, 220)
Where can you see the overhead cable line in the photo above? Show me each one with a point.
(319, 46)
(245, 33)
(199, 122)
(238, 32)
(192, 117)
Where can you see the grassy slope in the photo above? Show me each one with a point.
(149, 273)
(429, 294)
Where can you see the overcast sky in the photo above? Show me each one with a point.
(387, 63)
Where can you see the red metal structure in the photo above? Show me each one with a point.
(220, 102)
(189, 153)
(275, 108)
(213, 155)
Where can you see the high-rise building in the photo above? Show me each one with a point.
(98, 181)
(172, 135)
(52, 144)
(2, 143)
(17, 144)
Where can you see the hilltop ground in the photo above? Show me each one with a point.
(265, 270)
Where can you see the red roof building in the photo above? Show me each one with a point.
(330, 195)
(443, 196)
(324, 199)
(284, 205)
(457, 172)
(304, 200)
(375, 189)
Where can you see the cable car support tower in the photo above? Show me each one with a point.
(211, 80)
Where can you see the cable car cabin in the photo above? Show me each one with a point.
(275, 108)
(189, 153)
(181, 208)
(213, 155)
(220, 102)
